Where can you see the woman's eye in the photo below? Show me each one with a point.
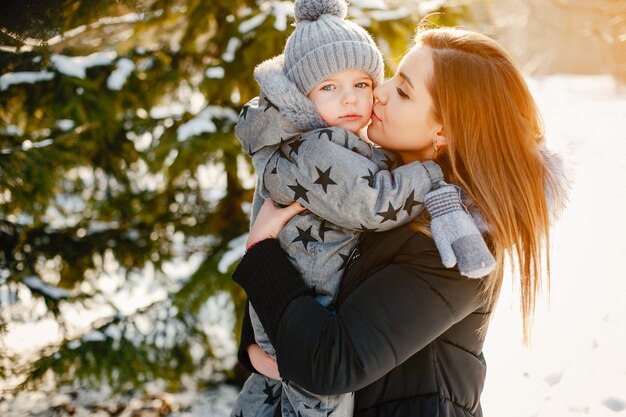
(361, 85)
(401, 93)
(328, 87)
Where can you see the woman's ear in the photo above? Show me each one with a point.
(440, 138)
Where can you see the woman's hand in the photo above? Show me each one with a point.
(271, 220)
(263, 362)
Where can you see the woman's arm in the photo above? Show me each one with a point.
(391, 316)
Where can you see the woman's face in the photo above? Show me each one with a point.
(402, 119)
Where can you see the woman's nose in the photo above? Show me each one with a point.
(380, 95)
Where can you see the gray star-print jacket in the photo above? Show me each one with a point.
(347, 185)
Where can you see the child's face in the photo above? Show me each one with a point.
(345, 99)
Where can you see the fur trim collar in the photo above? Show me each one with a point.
(293, 105)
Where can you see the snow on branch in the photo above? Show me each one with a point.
(24, 77)
(36, 284)
(75, 66)
(203, 122)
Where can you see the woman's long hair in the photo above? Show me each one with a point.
(494, 132)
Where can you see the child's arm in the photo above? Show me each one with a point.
(349, 190)
(344, 187)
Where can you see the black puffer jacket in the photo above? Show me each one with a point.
(402, 333)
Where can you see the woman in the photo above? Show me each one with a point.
(406, 333)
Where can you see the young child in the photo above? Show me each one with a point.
(301, 133)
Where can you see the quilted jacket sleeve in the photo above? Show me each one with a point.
(389, 317)
(344, 185)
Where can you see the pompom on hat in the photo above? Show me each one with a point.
(324, 43)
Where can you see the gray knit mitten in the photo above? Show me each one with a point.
(455, 233)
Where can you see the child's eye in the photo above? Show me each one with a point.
(362, 84)
(401, 93)
(328, 87)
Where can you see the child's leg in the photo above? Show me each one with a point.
(260, 336)
(259, 397)
(298, 402)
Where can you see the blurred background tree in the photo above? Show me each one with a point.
(124, 196)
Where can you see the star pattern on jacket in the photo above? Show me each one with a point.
(271, 397)
(388, 160)
(327, 132)
(324, 229)
(346, 138)
(299, 192)
(305, 237)
(249, 150)
(317, 406)
(345, 259)
(410, 203)
(275, 170)
(365, 229)
(270, 105)
(324, 178)
(295, 145)
(280, 147)
(369, 178)
(240, 414)
(314, 294)
(390, 214)
(244, 112)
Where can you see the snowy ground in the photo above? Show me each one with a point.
(576, 365)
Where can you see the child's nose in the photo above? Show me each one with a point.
(349, 97)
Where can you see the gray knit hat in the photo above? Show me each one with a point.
(324, 43)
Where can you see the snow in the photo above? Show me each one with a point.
(118, 77)
(94, 336)
(217, 321)
(231, 48)
(140, 142)
(162, 112)
(27, 338)
(128, 18)
(368, 4)
(382, 15)
(218, 112)
(74, 344)
(214, 72)
(203, 122)
(28, 144)
(236, 249)
(575, 364)
(13, 131)
(36, 284)
(76, 66)
(429, 6)
(24, 77)
(212, 180)
(282, 11)
(65, 124)
(195, 127)
(251, 24)
(245, 173)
